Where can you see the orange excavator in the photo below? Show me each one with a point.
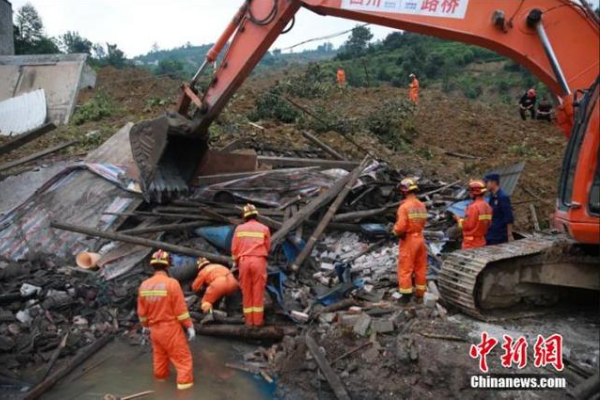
(557, 40)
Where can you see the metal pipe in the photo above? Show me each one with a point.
(534, 19)
(200, 71)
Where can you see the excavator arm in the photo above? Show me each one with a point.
(557, 40)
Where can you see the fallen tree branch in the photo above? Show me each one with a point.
(313, 139)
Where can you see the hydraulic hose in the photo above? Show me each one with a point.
(266, 20)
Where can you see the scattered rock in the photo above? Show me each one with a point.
(361, 327)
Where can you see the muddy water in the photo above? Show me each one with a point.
(121, 370)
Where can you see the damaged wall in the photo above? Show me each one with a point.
(60, 75)
(7, 42)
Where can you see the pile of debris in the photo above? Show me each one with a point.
(49, 310)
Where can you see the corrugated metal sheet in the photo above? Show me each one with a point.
(23, 113)
(509, 176)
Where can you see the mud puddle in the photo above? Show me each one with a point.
(121, 370)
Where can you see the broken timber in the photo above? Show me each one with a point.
(165, 228)
(318, 202)
(26, 137)
(141, 241)
(37, 155)
(306, 162)
(328, 216)
(323, 146)
(334, 381)
(245, 332)
(82, 356)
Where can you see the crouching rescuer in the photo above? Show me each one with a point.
(412, 259)
(162, 310)
(250, 249)
(219, 280)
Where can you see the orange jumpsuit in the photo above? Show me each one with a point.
(250, 249)
(413, 92)
(341, 77)
(220, 281)
(478, 219)
(411, 218)
(162, 308)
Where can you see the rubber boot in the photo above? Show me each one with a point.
(405, 299)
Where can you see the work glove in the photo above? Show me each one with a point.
(191, 334)
(206, 307)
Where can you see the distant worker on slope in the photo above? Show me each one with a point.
(341, 77)
(220, 282)
(527, 104)
(250, 250)
(412, 257)
(544, 110)
(162, 310)
(413, 91)
(478, 217)
(500, 230)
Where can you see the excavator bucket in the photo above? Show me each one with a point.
(167, 153)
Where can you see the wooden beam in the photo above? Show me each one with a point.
(328, 216)
(306, 162)
(82, 356)
(37, 155)
(318, 202)
(313, 139)
(334, 380)
(165, 228)
(246, 332)
(141, 241)
(26, 137)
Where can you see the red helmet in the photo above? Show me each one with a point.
(249, 210)
(408, 185)
(160, 258)
(531, 93)
(477, 187)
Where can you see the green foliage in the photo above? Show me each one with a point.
(392, 123)
(73, 42)
(315, 82)
(171, 68)
(270, 105)
(96, 109)
(29, 33)
(523, 150)
(357, 43)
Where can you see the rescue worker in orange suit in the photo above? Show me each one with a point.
(162, 310)
(478, 217)
(413, 91)
(220, 282)
(250, 250)
(341, 77)
(410, 222)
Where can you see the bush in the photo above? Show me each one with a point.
(392, 123)
(99, 107)
(314, 83)
(270, 105)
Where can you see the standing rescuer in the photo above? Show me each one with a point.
(500, 230)
(413, 91)
(341, 77)
(410, 222)
(527, 104)
(218, 278)
(478, 217)
(250, 250)
(162, 309)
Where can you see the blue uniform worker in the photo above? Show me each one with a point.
(502, 216)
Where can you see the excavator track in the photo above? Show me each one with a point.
(462, 273)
